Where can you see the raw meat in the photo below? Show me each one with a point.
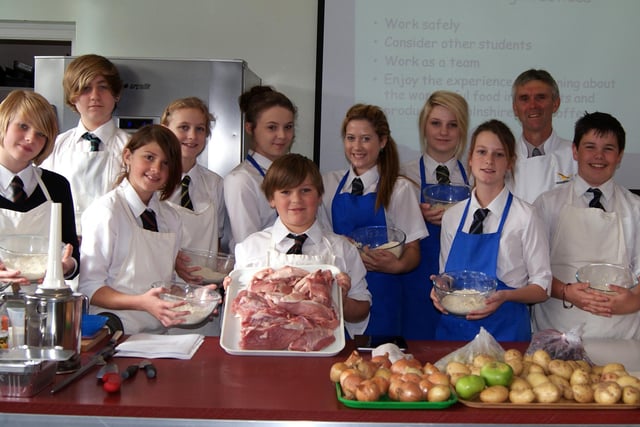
(288, 308)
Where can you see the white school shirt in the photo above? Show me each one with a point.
(106, 237)
(247, 207)
(252, 252)
(203, 196)
(523, 256)
(403, 211)
(615, 198)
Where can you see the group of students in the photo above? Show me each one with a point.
(143, 197)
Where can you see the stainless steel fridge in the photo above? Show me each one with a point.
(151, 84)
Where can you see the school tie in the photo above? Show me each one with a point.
(478, 216)
(17, 187)
(148, 217)
(185, 200)
(357, 187)
(442, 175)
(595, 202)
(296, 249)
(536, 152)
(94, 140)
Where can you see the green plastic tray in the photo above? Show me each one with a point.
(386, 403)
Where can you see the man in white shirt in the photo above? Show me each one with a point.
(592, 220)
(544, 160)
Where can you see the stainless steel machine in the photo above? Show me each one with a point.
(151, 84)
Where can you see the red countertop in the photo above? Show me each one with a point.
(216, 385)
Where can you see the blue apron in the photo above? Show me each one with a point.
(419, 316)
(479, 252)
(348, 213)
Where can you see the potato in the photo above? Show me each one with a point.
(516, 365)
(563, 385)
(580, 376)
(527, 358)
(522, 396)
(607, 393)
(542, 358)
(574, 364)
(597, 369)
(457, 367)
(547, 392)
(494, 394)
(610, 376)
(482, 359)
(512, 354)
(630, 395)
(519, 383)
(534, 367)
(613, 367)
(583, 364)
(537, 378)
(626, 380)
(582, 393)
(560, 368)
(455, 377)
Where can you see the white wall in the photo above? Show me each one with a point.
(277, 38)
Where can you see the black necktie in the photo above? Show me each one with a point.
(185, 200)
(17, 187)
(148, 217)
(94, 140)
(296, 249)
(595, 202)
(478, 216)
(536, 152)
(357, 187)
(442, 175)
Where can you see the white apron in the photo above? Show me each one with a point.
(36, 221)
(91, 175)
(277, 259)
(199, 229)
(150, 260)
(583, 236)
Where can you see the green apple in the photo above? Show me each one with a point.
(469, 386)
(497, 373)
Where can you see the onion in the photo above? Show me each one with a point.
(349, 383)
(401, 366)
(439, 393)
(439, 378)
(429, 368)
(394, 389)
(425, 385)
(384, 373)
(367, 391)
(336, 370)
(411, 377)
(409, 392)
(382, 382)
(353, 359)
(366, 368)
(382, 361)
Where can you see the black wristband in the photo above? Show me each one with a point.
(565, 303)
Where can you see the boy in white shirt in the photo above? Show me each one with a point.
(293, 185)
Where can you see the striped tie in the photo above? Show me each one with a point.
(478, 216)
(185, 200)
(296, 249)
(442, 175)
(17, 187)
(94, 140)
(148, 217)
(595, 202)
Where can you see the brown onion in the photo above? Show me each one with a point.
(336, 370)
(353, 359)
(401, 366)
(382, 382)
(409, 392)
(394, 389)
(425, 385)
(349, 384)
(382, 361)
(439, 393)
(411, 377)
(429, 368)
(366, 368)
(439, 378)
(367, 391)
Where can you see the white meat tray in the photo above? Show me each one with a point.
(230, 336)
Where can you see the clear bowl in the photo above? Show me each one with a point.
(379, 237)
(27, 253)
(601, 275)
(443, 196)
(200, 300)
(213, 266)
(460, 292)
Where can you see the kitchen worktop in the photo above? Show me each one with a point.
(214, 388)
